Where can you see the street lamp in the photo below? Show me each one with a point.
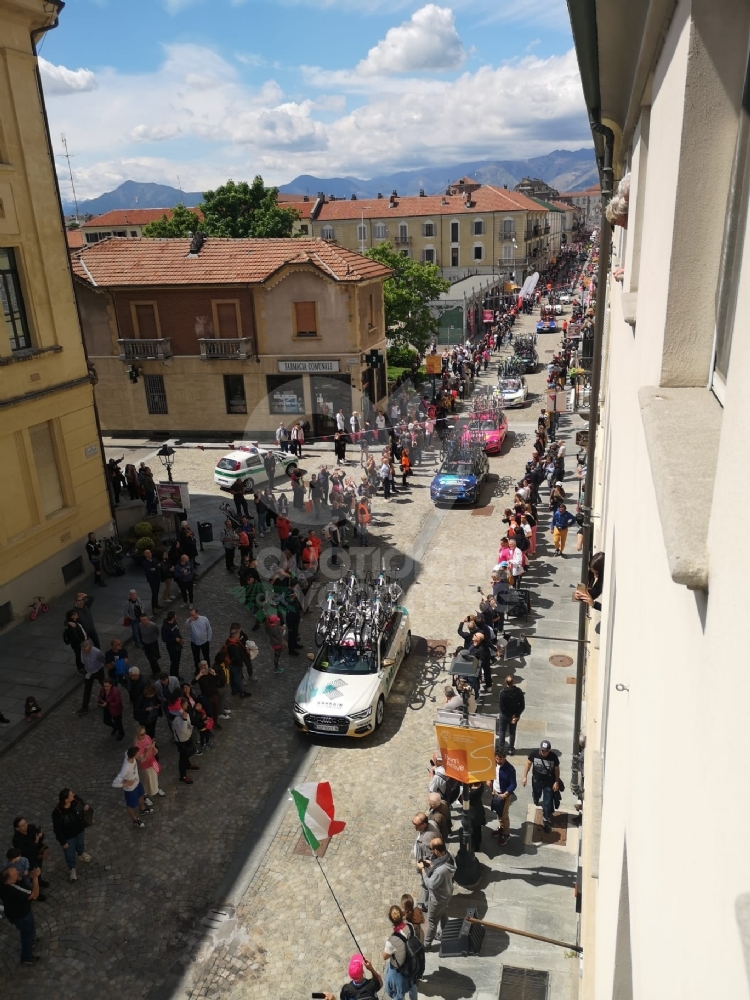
(166, 457)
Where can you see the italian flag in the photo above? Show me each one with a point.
(314, 802)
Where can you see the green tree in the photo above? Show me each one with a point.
(183, 222)
(407, 294)
(246, 210)
(234, 210)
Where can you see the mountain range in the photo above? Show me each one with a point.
(564, 169)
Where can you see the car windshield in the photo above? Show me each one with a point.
(510, 385)
(457, 469)
(342, 659)
(485, 424)
(228, 463)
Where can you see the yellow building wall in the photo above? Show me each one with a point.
(33, 547)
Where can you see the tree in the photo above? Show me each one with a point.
(183, 222)
(233, 210)
(407, 294)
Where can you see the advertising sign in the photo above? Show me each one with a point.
(557, 402)
(488, 316)
(174, 498)
(318, 367)
(467, 754)
(433, 364)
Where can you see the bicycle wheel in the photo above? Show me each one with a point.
(108, 562)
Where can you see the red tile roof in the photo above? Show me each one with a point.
(130, 217)
(126, 262)
(593, 192)
(74, 238)
(561, 205)
(484, 199)
(297, 201)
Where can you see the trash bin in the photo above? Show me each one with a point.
(205, 531)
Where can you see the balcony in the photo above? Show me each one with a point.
(403, 241)
(226, 349)
(145, 350)
(546, 229)
(508, 234)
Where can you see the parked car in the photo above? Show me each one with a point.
(344, 690)
(246, 464)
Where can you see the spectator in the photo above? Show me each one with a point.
(129, 781)
(277, 641)
(31, 709)
(166, 575)
(182, 730)
(503, 794)
(17, 909)
(397, 983)
(29, 840)
(477, 816)
(148, 765)
(74, 635)
(93, 665)
(69, 826)
(437, 878)
(199, 628)
(512, 706)
(150, 640)
(184, 576)
(545, 779)
(562, 519)
(132, 617)
(152, 572)
(208, 682)
(172, 639)
(147, 709)
(116, 663)
(110, 700)
(83, 609)
(94, 553)
(439, 813)
(228, 539)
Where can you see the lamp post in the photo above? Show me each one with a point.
(166, 457)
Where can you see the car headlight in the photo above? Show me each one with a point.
(356, 716)
(299, 710)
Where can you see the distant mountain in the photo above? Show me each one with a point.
(564, 169)
(132, 194)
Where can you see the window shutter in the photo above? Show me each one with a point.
(145, 316)
(226, 314)
(43, 450)
(305, 317)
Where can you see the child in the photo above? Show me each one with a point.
(413, 915)
(282, 505)
(204, 725)
(31, 709)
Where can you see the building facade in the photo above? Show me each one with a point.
(665, 893)
(476, 230)
(587, 204)
(230, 337)
(54, 487)
(122, 222)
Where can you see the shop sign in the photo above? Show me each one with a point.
(313, 367)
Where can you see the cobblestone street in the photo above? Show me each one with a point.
(134, 925)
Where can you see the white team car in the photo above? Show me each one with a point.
(513, 391)
(344, 689)
(245, 463)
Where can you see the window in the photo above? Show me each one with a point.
(454, 256)
(92, 237)
(227, 322)
(428, 255)
(234, 393)
(509, 229)
(403, 231)
(145, 320)
(120, 232)
(285, 394)
(508, 252)
(133, 232)
(304, 229)
(428, 229)
(379, 231)
(361, 232)
(327, 232)
(12, 300)
(454, 232)
(370, 311)
(478, 227)
(43, 450)
(305, 322)
(156, 397)
(478, 251)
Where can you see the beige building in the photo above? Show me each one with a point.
(227, 337)
(125, 222)
(475, 230)
(54, 490)
(586, 202)
(665, 891)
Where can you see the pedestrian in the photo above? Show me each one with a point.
(331, 534)
(363, 517)
(316, 494)
(150, 640)
(132, 617)
(94, 553)
(405, 467)
(282, 437)
(324, 478)
(477, 816)
(339, 447)
(152, 572)
(359, 987)
(562, 519)
(200, 636)
(32, 709)
(277, 640)
(182, 731)
(413, 915)
(480, 647)
(74, 635)
(135, 796)
(440, 813)
(16, 902)
(110, 701)
(399, 976)
(166, 575)
(147, 709)
(269, 464)
(116, 662)
(385, 478)
(512, 706)
(207, 681)
(292, 618)
(545, 779)
(82, 607)
(189, 546)
(237, 657)
(148, 764)
(426, 830)
(184, 575)
(68, 825)
(437, 879)
(503, 794)
(237, 489)
(515, 563)
(29, 839)
(297, 438)
(93, 664)
(172, 639)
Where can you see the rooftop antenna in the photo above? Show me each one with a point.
(362, 236)
(66, 156)
(179, 185)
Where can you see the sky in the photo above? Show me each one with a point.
(204, 90)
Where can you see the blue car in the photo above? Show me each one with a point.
(460, 480)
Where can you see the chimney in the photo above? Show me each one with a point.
(379, 195)
(354, 197)
(394, 193)
(443, 201)
(196, 244)
(306, 197)
(421, 192)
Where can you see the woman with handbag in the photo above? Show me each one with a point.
(69, 821)
(148, 764)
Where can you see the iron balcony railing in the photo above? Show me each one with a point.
(403, 241)
(508, 234)
(158, 349)
(223, 349)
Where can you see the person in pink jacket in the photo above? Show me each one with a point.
(110, 700)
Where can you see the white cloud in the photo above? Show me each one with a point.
(428, 40)
(154, 133)
(61, 80)
(250, 59)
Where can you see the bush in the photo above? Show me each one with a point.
(144, 529)
(401, 356)
(144, 543)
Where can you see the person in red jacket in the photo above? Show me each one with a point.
(110, 700)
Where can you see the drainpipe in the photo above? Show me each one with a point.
(605, 239)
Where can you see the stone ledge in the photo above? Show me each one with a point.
(684, 492)
(29, 354)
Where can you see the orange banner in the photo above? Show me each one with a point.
(433, 364)
(467, 754)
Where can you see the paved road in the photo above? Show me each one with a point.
(135, 915)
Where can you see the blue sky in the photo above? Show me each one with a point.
(207, 89)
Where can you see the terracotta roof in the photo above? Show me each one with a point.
(561, 205)
(484, 199)
(594, 191)
(297, 201)
(130, 217)
(121, 262)
(74, 238)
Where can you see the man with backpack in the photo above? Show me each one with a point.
(405, 957)
(437, 879)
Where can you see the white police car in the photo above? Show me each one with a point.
(245, 464)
